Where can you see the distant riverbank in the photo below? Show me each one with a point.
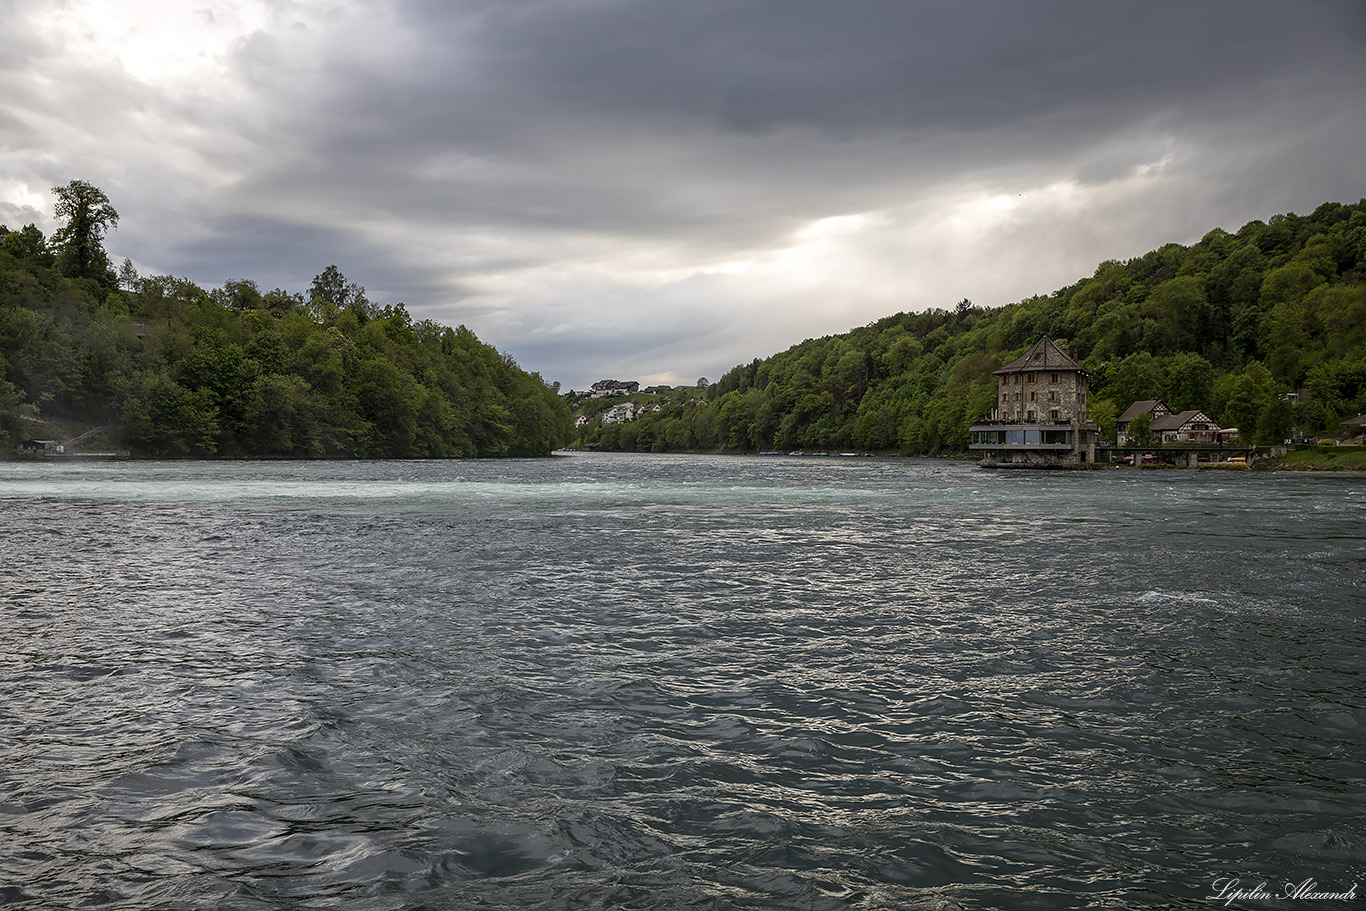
(1318, 459)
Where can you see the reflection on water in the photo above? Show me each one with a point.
(661, 682)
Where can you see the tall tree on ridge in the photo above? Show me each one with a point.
(79, 243)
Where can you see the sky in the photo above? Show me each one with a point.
(658, 191)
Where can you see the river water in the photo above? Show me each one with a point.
(633, 681)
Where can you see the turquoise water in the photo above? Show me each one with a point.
(601, 681)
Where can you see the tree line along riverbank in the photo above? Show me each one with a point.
(1264, 329)
(171, 369)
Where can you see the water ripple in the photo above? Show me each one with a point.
(599, 682)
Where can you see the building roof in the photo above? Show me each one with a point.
(1358, 421)
(1044, 355)
(1156, 407)
(1177, 421)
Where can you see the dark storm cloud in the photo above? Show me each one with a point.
(669, 117)
(754, 66)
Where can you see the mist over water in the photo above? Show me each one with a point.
(603, 681)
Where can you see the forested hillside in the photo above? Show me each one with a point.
(1232, 325)
(171, 369)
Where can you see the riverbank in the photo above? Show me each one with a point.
(1317, 458)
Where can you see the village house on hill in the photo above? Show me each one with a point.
(604, 388)
(1040, 416)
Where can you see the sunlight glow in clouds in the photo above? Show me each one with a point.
(164, 43)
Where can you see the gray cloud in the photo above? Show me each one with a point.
(667, 189)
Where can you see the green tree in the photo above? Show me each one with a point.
(1104, 414)
(331, 293)
(1139, 376)
(1140, 432)
(1189, 379)
(1275, 423)
(1180, 309)
(1325, 399)
(240, 294)
(282, 417)
(28, 243)
(164, 418)
(128, 275)
(1241, 398)
(80, 242)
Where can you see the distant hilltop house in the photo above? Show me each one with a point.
(1192, 426)
(604, 388)
(1040, 416)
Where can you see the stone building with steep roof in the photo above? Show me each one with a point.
(1040, 416)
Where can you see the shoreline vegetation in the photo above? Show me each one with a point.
(1318, 460)
(1343, 460)
(1263, 329)
(112, 360)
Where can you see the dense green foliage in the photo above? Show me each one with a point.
(174, 370)
(1232, 325)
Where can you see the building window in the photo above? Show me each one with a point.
(1029, 416)
(1030, 378)
(1052, 378)
(1033, 396)
(1053, 395)
(1053, 415)
(1017, 379)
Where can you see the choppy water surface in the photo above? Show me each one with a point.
(602, 681)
